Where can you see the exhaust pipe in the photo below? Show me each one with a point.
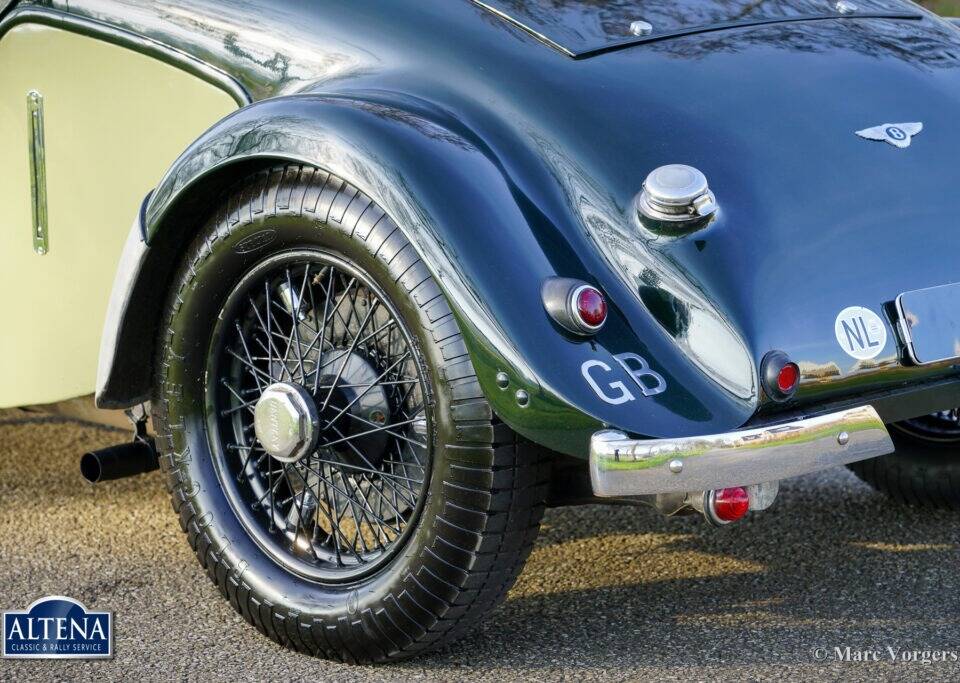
(117, 462)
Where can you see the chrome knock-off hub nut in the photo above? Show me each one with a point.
(286, 422)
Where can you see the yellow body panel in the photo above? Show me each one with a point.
(114, 121)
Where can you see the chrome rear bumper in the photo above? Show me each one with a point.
(623, 467)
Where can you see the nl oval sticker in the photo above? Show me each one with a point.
(860, 332)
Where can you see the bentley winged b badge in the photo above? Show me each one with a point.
(897, 134)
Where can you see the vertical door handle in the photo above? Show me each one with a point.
(38, 174)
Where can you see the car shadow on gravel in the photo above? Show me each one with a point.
(831, 564)
(608, 591)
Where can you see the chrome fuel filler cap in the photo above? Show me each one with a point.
(677, 193)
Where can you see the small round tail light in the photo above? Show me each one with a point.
(574, 305)
(779, 376)
(589, 307)
(729, 505)
(788, 377)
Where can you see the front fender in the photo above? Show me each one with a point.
(488, 244)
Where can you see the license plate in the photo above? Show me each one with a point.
(930, 323)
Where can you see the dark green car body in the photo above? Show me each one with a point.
(510, 140)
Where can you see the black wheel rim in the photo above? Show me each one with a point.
(348, 505)
(941, 427)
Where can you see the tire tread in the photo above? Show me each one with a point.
(918, 474)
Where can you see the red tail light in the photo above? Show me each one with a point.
(574, 305)
(788, 377)
(589, 307)
(729, 505)
(779, 376)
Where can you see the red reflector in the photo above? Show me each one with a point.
(731, 504)
(787, 377)
(591, 307)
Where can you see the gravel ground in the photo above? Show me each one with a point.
(609, 593)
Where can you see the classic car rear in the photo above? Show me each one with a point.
(450, 262)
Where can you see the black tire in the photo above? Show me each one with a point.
(485, 494)
(924, 471)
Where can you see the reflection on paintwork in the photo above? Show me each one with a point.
(684, 309)
(697, 327)
(818, 371)
(706, 338)
(584, 25)
(919, 44)
(509, 162)
(867, 365)
(270, 49)
(916, 44)
(288, 133)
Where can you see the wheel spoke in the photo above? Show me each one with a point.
(346, 357)
(295, 321)
(243, 402)
(246, 349)
(367, 470)
(359, 396)
(265, 326)
(257, 372)
(394, 485)
(351, 437)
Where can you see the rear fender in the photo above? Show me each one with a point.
(486, 242)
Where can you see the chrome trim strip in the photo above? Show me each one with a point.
(526, 29)
(142, 44)
(38, 174)
(622, 467)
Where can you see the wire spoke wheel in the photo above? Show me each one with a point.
(330, 452)
(317, 416)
